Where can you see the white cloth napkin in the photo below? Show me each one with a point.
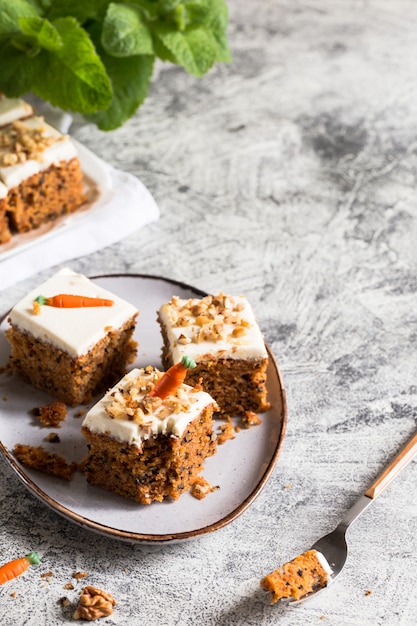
(126, 206)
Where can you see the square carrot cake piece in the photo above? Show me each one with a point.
(146, 445)
(71, 338)
(40, 174)
(223, 337)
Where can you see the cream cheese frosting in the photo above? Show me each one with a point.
(12, 109)
(73, 330)
(323, 562)
(60, 149)
(220, 326)
(110, 416)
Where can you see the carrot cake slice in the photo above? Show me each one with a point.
(71, 352)
(305, 574)
(40, 174)
(145, 447)
(223, 337)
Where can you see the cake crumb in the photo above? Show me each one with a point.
(200, 488)
(250, 419)
(226, 432)
(80, 575)
(64, 601)
(47, 575)
(53, 438)
(38, 458)
(368, 592)
(93, 604)
(80, 413)
(68, 586)
(51, 414)
(13, 594)
(287, 486)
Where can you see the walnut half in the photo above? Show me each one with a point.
(94, 603)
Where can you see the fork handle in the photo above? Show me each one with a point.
(390, 472)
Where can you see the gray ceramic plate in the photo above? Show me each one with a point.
(240, 468)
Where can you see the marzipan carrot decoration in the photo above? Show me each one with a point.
(69, 301)
(17, 567)
(172, 378)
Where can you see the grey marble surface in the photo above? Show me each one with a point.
(290, 176)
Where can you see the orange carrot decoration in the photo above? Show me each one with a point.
(70, 301)
(172, 378)
(17, 567)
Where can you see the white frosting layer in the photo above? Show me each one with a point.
(61, 150)
(75, 330)
(98, 420)
(3, 190)
(249, 345)
(12, 109)
(323, 562)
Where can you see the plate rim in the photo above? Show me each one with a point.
(134, 537)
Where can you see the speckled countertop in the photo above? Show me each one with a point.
(289, 176)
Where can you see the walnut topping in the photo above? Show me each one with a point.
(132, 401)
(94, 603)
(208, 317)
(21, 143)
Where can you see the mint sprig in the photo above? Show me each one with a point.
(96, 57)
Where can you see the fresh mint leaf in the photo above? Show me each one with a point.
(218, 19)
(194, 49)
(96, 56)
(42, 31)
(130, 79)
(73, 77)
(125, 32)
(41, 5)
(18, 74)
(166, 6)
(81, 10)
(10, 12)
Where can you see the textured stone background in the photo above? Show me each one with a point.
(290, 176)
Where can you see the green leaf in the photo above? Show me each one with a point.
(10, 12)
(81, 10)
(42, 32)
(73, 77)
(198, 12)
(41, 5)
(194, 49)
(125, 32)
(130, 78)
(18, 74)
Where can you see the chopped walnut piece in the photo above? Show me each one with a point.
(23, 143)
(94, 603)
(80, 575)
